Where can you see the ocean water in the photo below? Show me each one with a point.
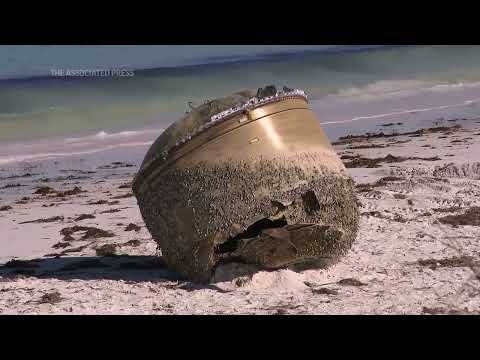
(350, 88)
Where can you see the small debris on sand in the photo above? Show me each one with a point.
(103, 202)
(18, 176)
(133, 243)
(5, 208)
(361, 162)
(24, 200)
(84, 217)
(116, 165)
(391, 124)
(379, 183)
(47, 220)
(75, 191)
(106, 250)
(126, 186)
(132, 227)
(43, 190)
(386, 179)
(69, 178)
(77, 249)
(68, 251)
(90, 232)
(373, 213)
(369, 146)
(190, 286)
(324, 291)
(433, 311)
(242, 281)
(98, 202)
(446, 210)
(455, 261)
(420, 132)
(282, 309)
(350, 282)
(51, 298)
(399, 218)
(400, 142)
(8, 186)
(111, 211)
(378, 214)
(469, 217)
(61, 245)
(349, 157)
(77, 171)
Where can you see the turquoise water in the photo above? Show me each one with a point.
(34, 104)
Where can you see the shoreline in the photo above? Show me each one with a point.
(361, 110)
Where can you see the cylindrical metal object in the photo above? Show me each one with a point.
(260, 184)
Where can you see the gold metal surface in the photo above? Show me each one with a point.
(287, 126)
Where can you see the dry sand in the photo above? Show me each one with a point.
(414, 254)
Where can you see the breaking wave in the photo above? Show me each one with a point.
(103, 135)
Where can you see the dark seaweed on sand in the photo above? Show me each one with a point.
(123, 196)
(8, 186)
(51, 298)
(455, 261)
(133, 243)
(84, 217)
(469, 217)
(420, 132)
(43, 190)
(47, 220)
(106, 250)
(324, 291)
(90, 232)
(111, 211)
(361, 162)
(132, 227)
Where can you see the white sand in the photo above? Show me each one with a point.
(383, 258)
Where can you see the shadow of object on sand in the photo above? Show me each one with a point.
(119, 267)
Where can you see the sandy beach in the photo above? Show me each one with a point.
(73, 240)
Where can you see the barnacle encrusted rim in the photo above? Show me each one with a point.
(254, 102)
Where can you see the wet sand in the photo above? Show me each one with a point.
(73, 240)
